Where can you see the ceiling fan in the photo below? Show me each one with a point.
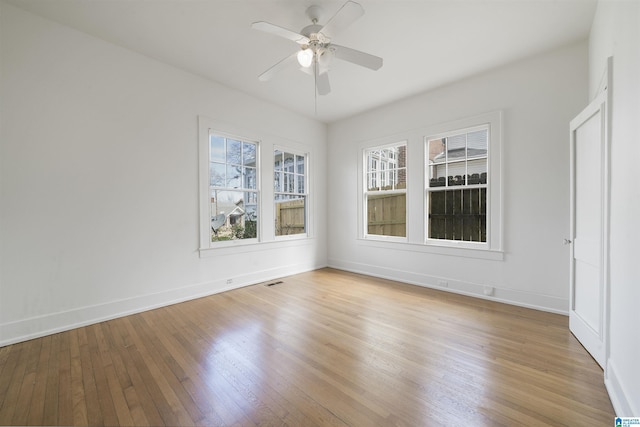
(316, 47)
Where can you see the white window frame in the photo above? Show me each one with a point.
(289, 150)
(493, 121)
(365, 189)
(207, 128)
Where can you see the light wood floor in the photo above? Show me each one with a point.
(320, 348)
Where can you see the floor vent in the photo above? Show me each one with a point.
(274, 283)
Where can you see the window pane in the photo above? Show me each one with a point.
(476, 166)
(300, 183)
(457, 186)
(384, 179)
(456, 147)
(289, 202)
(458, 215)
(372, 181)
(456, 172)
(248, 154)
(234, 151)
(290, 215)
(373, 154)
(436, 151)
(437, 165)
(233, 177)
(288, 183)
(437, 175)
(477, 143)
(250, 181)
(251, 201)
(216, 149)
(234, 215)
(386, 174)
(277, 182)
(386, 214)
(388, 155)
(400, 176)
(217, 174)
(288, 162)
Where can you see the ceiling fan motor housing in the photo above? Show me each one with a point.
(311, 29)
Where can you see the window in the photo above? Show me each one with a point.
(290, 193)
(458, 186)
(233, 188)
(385, 196)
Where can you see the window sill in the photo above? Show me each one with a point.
(290, 237)
(240, 247)
(382, 238)
(487, 254)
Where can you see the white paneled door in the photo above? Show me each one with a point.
(589, 183)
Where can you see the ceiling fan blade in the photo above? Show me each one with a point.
(322, 84)
(357, 57)
(344, 17)
(280, 65)
(280, 31)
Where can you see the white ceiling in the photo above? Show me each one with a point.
(424, 43)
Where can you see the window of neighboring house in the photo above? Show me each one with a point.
(290, 193)
(385, 195)
(233, 188)
(458, 186)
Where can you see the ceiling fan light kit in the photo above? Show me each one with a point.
(316, 47)
(305, 58)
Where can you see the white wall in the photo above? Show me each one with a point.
(615, 32)
(99, 181)
(538, 98)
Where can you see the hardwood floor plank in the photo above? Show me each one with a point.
(12, 356)
(186, 369)
(13, 373)
(115, 389)
(65, 394)
(50, 398)
(23, 404)
(138, 397)
(78, 392)
(88, 371)
(300, 405)
(105, 403)
(170, 386)
(324, 348)
(5, 353)
(36, 408)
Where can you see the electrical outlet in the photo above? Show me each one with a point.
(229, 281)
(488, 290)
(443, 283)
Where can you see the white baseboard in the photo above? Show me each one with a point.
(509, 296)
(39, 326)
(616, 389)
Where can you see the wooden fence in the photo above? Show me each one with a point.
(455, 214)
(458, 215)
(387, 214)
(290, 216)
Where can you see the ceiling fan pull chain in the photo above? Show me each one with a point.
(315, 84)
